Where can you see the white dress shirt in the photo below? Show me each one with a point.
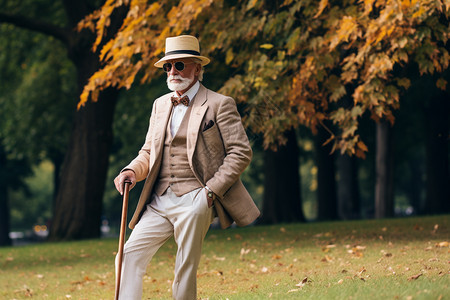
(179, 111)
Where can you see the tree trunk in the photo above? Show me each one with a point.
(326, 181)
(384, 185)
(57, 161)
(78, 207)
(282, 200)
(4, 205)
(348, 188)
(416, 187)
(437, 148)
(79, 201)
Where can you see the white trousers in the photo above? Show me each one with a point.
(187, 218)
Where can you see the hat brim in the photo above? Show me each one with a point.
(159, 64)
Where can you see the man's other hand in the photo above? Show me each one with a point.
(127, 175)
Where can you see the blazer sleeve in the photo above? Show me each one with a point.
(140, 165)
(238, 152)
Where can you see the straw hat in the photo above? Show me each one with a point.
(183, 46)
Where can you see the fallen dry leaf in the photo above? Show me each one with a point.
(328, 248)
(243, 253)
(415, 277)
(302, 283)
(433, 259)
(327, 259)
(442, 244)
(26, 291)
(391, 270)
(435, 229)
(362, 270)
(219, 258)
(355, 252)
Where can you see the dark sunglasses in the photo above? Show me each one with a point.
(179, 66)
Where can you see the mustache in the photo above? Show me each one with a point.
(177, 77)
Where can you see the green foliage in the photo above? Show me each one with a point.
(37, 9)
(33, 205)
(36, 98)
(37, 83)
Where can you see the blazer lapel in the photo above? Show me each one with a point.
(195, 120)
(159, 131)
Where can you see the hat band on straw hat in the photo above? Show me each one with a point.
(192, 52)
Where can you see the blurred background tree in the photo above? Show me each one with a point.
(79, 190)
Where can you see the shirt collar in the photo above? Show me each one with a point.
(191, 92)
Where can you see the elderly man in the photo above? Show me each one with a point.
(194, 153)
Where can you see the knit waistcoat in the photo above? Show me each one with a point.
(175, 170)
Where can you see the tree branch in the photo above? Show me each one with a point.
(38, 26)
(76, 10)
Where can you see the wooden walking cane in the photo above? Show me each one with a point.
(123, 224)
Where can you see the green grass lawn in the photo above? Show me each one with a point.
(374, 259)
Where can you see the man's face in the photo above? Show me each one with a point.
(181, 81)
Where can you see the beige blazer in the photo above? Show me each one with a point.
(217, 156)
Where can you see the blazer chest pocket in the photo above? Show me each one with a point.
(211, 132)
(213, 141)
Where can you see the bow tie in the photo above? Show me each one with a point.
(177, 100)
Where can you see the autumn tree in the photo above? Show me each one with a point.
(292, 60)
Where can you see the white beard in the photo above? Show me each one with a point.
(175, 86)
